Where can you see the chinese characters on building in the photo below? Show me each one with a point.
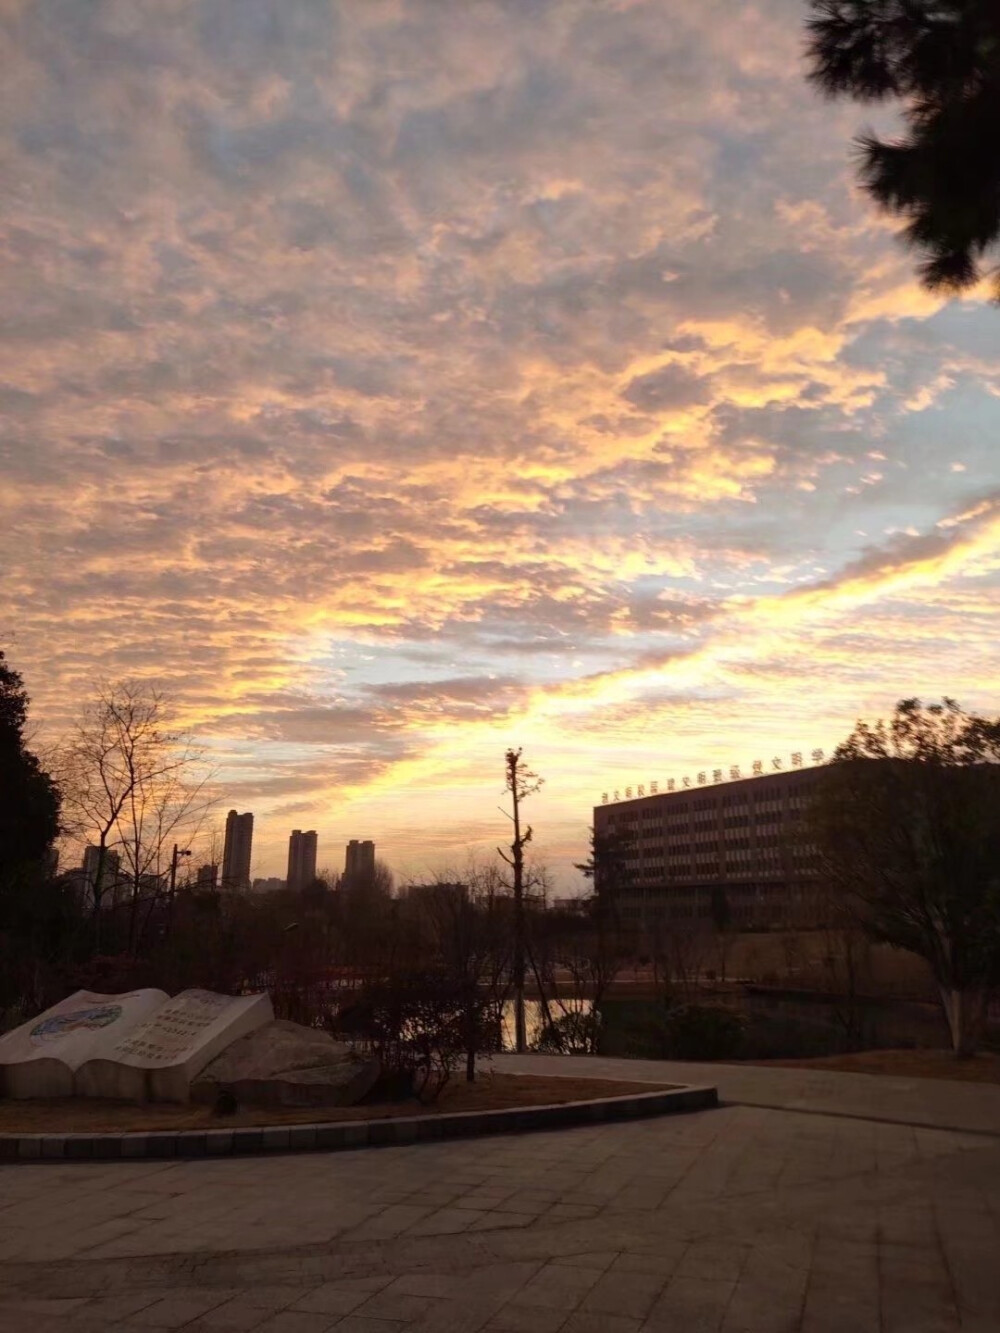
(718, 775)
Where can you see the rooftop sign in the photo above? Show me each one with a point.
(735, 773)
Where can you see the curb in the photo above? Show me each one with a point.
(259, 1140)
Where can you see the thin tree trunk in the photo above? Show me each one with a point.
(965, 1011)
(520, 1031)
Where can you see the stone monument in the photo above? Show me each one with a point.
(40, 1058)
(157, 1059)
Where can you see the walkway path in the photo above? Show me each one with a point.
(742, 1219)
(933, 1102)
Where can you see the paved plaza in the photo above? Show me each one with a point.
(747, 1219)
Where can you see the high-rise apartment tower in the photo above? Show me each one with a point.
(301, 859)
(236, 855)
(359, 861)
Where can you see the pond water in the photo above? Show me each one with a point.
(534, 1018)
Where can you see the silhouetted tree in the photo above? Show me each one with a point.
(134, 785)
(940, 60)
(29, 800)
(608, 867)
(37, 915)
(907, 824)
(520, 783)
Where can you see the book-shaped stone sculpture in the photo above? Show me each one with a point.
(141, 1046)
(157, 1059)
(41, 1057)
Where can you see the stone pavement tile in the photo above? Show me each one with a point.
(911, 1306)
(273, 1296)
(393, 1304)
(104, 1310)
(572, 1211)
(836, 1307)
(747, 1314)
(174, 1311)
(455, 1316)
(233, 1316)
(40, 1305)
(359, 1324)
(515, 1318)
(18, 1321)
(599, 1259)
(714, 1260)
(588, 1322)
(343, 1297)
(973, 1269)
(558, 1287)
(446, 1222)
(499, 1221)
(392, 1221)
(296, 1321)
(631, 1295)
(662, 1262)
(691, 1305)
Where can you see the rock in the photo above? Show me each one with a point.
(158, 1059)
(285, 1064)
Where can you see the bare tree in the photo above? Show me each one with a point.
(131, 784)
(905, 827)
(521, 783)
(469, 941)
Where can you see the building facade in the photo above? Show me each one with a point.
(683, 854)
(208, 877)
(359, 861)
(301, 859)
(236, 853)
(111, 888)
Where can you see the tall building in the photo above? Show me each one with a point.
(301, 859)
(208, 877)
(359, 861)
(108, 890)
(236, 854)
(680, 852)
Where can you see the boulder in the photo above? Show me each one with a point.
(286, 1064)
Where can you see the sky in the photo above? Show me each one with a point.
(397, 381)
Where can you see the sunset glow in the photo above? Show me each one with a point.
(396, 382)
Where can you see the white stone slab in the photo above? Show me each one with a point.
(39, 1058)
(157, 1060)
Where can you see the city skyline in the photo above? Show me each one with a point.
(395, 384)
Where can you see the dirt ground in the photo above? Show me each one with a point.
(490, 1092)
(981, 1068)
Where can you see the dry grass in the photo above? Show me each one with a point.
(490, 1092)
(981, 1068)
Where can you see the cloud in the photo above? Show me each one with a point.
(397, 381)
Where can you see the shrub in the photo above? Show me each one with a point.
(572, 1033)
(703, 1032)
(417, 1024)
(683, 1032)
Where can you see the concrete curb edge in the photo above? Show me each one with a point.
(260, 1140)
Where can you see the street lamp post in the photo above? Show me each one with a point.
(178, 852)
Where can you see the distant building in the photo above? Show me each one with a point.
(570, 904)
(740, 842)
(272, 884)
(108, 889)
(301, 859)
(426, 895)
(207, 877)
(236, 854)
(359, 862)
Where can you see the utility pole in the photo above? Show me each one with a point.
(520, 782)
(178, 852)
